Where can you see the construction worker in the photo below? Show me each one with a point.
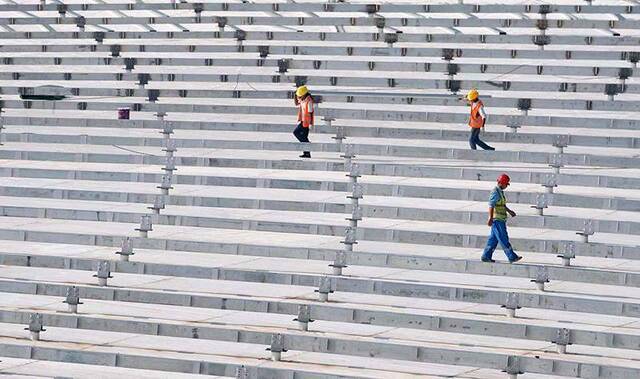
(498, 211)
(477, 119)
(304, 102)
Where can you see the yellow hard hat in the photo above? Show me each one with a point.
(472, 95)
(301, 91)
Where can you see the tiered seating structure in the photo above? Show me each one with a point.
(188, 239)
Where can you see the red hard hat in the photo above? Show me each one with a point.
(504, 179)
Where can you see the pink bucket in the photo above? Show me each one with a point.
(123, 113)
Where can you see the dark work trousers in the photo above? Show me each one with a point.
(302, 134)
(474, 139)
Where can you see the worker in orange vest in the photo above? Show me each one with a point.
(477, 119)
(304, 102)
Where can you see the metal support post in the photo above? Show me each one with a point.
(73, 299)
(541, 203)
(126, 250)
(324, 289)
(542, 277)
(349, 238)
(304, 317)
(550, 181)
(560, 142)
(35, 326)
(339, 135)
(556, 162)
(104, 273)
(339, 263)
(165, 185)
(277, 347)
(513, 367)
(170, 147)
(170, 165)
(167, 129)
(511, 304)
(356, 213)
(145, 226)
(562, 339)
(241, 373)
(587, 230)
(348, 156)
(158, 204)
(568, 253)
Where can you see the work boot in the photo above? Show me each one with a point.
(306, 154)
(516, 259)
(487, 260)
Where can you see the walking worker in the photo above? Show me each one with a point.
(477, 119)
(304, 102)
(498, 211)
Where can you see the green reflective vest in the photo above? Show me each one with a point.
(500, 210)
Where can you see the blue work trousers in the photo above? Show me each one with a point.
(474, 139)
(498, 235)
(302, 134)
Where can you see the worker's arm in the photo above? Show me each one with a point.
(490, 220)
(483, 115)
(511, 213)
(310, 109)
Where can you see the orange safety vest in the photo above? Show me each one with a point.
(476, 121)
(304, 116)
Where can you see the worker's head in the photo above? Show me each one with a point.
(503, 181)
(302, 91)
(472, 95)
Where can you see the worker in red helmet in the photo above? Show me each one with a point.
(498, 213)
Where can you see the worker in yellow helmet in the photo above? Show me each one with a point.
(477, 119)
(304, 102)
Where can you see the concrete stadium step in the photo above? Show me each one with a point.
(419, 80)
(589, 11)
(14, 368)
(539, 327)
(357, 48)
(51, 361)
(437, 30)
(405, 256)
(205, 194)
(574, 156)
(294, 341)
(357, 262)
(192, 357)
(529, 134)
(570, 67)
(299, 179)
(242, 296)
(109, 20)
(303, 366)
(299, 245)
(88, 91)
(376, 210)
(190, 137)
(335, 110)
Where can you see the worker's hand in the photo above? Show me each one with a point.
(490, 222)
(511, 213)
